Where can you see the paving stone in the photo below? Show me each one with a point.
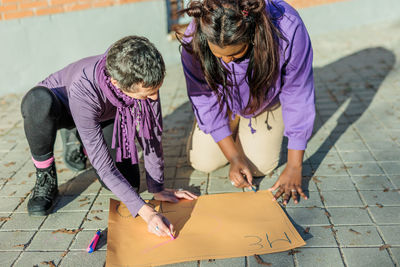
(349, 216)
(221, 185)
(368, 168)
(368, 182)
(307, 216)
(386, 215)
(314, 200)
(331, 169)
(9, 203)
(317, 236)
(8, 257)
(386, 155)
(22, 221)
(221, 172)
(103, 202)
(396, 254)
(391, 234)
(74, 203)
(341, 199)
(186, 172)
(382, 145)
(59, 220)
(358, 236)
(335, 183)
(318, 257)
(366, 257)
(356, 156)
(355, 145)
(83, 238)
(15, 190)
(275, 259)
(14, 241)
(82, 258)
(39, 259)
(391, 168)
(389, 198)
(95, 221)
(395, 180)
(224, 262)
(324, 158)
(48, 241)
(71, 188)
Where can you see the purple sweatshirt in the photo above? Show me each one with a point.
(76, 87)
(294, 87)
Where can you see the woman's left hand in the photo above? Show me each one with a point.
(173, 195)
(289, 185)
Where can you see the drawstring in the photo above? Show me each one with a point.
(251, 127)
(266, 121)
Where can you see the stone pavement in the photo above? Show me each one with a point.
(351, 170)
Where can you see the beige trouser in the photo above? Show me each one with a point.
(262, 148)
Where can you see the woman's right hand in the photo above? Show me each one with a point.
(239, 173)
(156, 223)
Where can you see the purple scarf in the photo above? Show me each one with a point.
(131, 114)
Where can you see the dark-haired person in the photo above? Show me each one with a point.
(112, 99)
(248, 69)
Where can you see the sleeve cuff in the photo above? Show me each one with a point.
(297, 143)
(152, 185)
(135, 207)
(221, 133)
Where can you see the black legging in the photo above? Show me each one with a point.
(44, 114)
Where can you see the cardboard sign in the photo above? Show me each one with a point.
(211, 227)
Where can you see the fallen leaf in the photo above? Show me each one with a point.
(379, 205)
(386, 190)
(328, 226)
(66, 231)
(97, 218)
(293, 251)
(23, 182)
(369, 231)
(13, 193)
(354, 232)
(83, 199)
(30, 174)
(322, 198)
(307, 230)
(95, 211)
(9, 164)
(64, 254)
(384, 247)
(360, 166)
(84, 204)
(312, 207)
(315, 179)
(211, 260)
(20, 246)
(62, 170)
(50, 263)
(364, 208)
(327, 214)
(261, 261)
(4, 219)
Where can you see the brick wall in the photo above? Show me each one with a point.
(15, 9)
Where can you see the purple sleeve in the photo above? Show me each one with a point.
(85, 111)
(297, 95)
(204, 101)
(153, 154)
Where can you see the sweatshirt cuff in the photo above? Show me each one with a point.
(152, 185)
(221, 133)
(135, 206)
(297, 143)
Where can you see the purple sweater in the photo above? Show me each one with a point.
(76, 87)
(294, 87)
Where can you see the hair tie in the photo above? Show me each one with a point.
(245, 13)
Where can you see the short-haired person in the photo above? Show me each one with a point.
(248, 69)
(112, 99)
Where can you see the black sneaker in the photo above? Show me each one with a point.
(44, 193)
(73, 155)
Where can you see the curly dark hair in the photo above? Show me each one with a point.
(135, 60)
(232, 22)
